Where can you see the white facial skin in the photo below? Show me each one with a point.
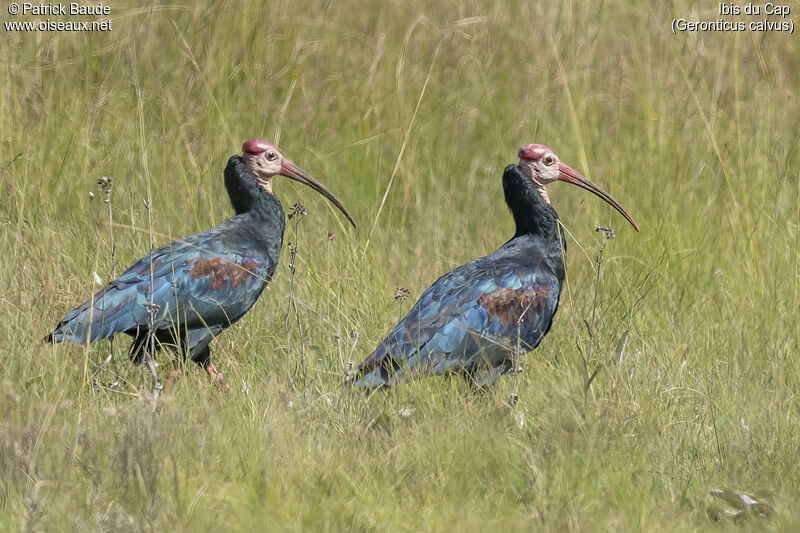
(542, 170)
(265, 166)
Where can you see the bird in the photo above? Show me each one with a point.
(201, 284)
(470, 320)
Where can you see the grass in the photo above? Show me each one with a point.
(409, 111)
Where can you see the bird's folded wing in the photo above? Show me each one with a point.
(194, 280)
(477, 299)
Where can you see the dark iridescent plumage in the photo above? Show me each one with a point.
(466, 322)
(201, 284)
(204, 283)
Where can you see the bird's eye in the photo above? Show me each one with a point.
(549, 160)
(271, 156)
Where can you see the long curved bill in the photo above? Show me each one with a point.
(290, 170)
(565, 173)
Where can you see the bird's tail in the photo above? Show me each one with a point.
(104, 315)
(77, 331)
(377, 378)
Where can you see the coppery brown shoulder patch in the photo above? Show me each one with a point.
(222, 271)
(508, 305)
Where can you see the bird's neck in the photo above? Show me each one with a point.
(529, 204)
(245, 193)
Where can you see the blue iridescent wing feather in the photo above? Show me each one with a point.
(469, 317)
(197, 283)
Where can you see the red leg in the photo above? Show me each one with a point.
(201, 354)
(213, 373)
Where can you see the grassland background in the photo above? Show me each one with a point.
(697, 134)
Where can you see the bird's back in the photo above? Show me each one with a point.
(207, 280)
(469, 317)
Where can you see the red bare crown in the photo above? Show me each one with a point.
(534, 152)
(257, 146)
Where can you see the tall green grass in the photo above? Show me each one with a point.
(409, 111)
